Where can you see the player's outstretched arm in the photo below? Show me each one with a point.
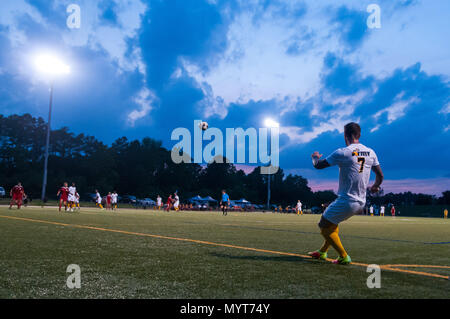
(319, 163)
(378, 178)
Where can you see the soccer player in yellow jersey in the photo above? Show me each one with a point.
(355, 163)
(445, 213)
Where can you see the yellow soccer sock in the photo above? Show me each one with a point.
(101, 206)
(331, 235)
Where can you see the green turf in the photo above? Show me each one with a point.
(34, 256)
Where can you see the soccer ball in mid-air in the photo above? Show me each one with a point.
(204, 126)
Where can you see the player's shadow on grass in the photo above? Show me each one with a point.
(278, 258)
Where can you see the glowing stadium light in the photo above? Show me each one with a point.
(271, 123)
(51, 65)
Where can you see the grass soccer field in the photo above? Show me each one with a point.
(150, 254)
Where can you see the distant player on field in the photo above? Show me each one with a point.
(17, 194)
(371, 210)
(382, 211)
(445, 213)
(77, 200)
(169, 202)
(393, 211)
(108, 201)
(63, 194)
(114, 199)
(299, 208)
(176, 203)
(72, 197)
(225, 202)
(355, 163)
(98, 199)
(159, 202)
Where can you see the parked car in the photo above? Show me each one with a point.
(146, 202)
(316, 210)
(129, 199)
(2, 192)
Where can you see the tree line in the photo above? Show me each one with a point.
(136, 167)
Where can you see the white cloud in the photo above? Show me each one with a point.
(298, 135)
(145, 99)
(397, 109)
(446, 109)
(10, 11)
(409, 35)
(256, 67)
(96, 34)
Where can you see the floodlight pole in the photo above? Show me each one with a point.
(268, 190)
(47, 144)
(270, 164)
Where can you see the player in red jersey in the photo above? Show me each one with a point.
(393, 211)
(64, 192)
(169, 202)
(17, 194)
(108, 201)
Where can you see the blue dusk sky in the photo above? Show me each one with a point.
(143, 68)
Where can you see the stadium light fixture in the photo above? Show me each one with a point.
(268, 122)
(52, 66)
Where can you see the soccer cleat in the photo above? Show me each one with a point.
(343, 260)
(318, 255)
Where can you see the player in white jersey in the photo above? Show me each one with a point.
(114, 197)
(72, 197)
(98, 199)
(77, 200)
(177, 202)
(159, 202)
(371, 210)
(298, 208)
(382, 211)
(355, 163)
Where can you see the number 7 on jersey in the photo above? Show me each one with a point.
(361, 160)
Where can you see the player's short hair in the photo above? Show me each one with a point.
(352, 130)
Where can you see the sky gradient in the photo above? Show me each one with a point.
(143, 68)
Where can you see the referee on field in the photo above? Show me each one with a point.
(225, 202)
